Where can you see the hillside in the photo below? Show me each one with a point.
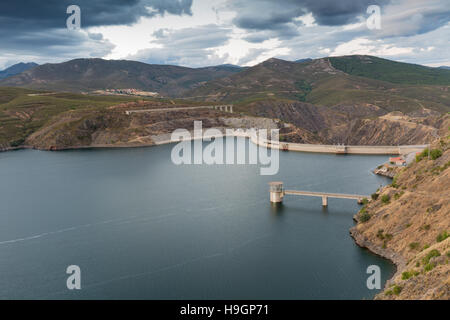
(24, 112)
(96, 74)
(16, 69)
(319, 82)
(390, 71)
(55, 121)
(409, 223)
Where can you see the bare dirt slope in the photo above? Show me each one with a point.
(409, 223)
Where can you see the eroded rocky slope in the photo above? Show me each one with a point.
(409, 223)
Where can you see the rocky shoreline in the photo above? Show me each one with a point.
(398, 260)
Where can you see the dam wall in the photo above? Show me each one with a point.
(315, 148)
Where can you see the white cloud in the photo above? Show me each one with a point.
(369, 47)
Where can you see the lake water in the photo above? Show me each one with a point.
(140, 227)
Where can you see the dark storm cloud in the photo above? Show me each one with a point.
(279, 16)
(37, 28)
(268, 14)
(52, 13)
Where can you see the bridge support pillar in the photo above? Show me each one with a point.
(325, 201)
(276, 192)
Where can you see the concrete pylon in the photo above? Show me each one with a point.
(325, 201)
(276, 192)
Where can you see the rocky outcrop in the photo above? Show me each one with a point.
(362, 124)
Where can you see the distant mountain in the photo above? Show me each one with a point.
(303, 60)
(444, 67)
(271, 78)
(16, 69)
(391, 71)
(226, 67)
(94, 74)
(320, 82)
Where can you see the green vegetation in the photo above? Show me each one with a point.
(398, 195)
(409, 274)
(385, 198)
(364, 217)
(391, 71)
(380, 234)
(422, 155)
(414, 245)
(433, 253)
(429, 266)
(365, 201)
(395, 181)
(374, 196)
(434, 154)
(397, 290)
(439, 169)
(385, 237)
(442, 236)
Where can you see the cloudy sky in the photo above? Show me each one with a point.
(199, 33)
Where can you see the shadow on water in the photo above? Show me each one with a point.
(277, 209)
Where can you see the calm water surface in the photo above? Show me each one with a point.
(140, 227)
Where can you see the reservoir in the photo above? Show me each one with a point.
(140, 227)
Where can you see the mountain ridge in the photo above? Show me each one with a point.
(96, 74)
(16, 69)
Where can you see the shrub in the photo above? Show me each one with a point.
(409, 274)
(414, 245)
(397, 289)
(374, 196)
(394, 183)
(448, 254)
(422, 155)
(398, 195)
(429, 267)
(425, 247)
(364, 217)
(365, 201)
(435, 153)
(406, 275)
(385, 198)
(442, 236)
(433, 253)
